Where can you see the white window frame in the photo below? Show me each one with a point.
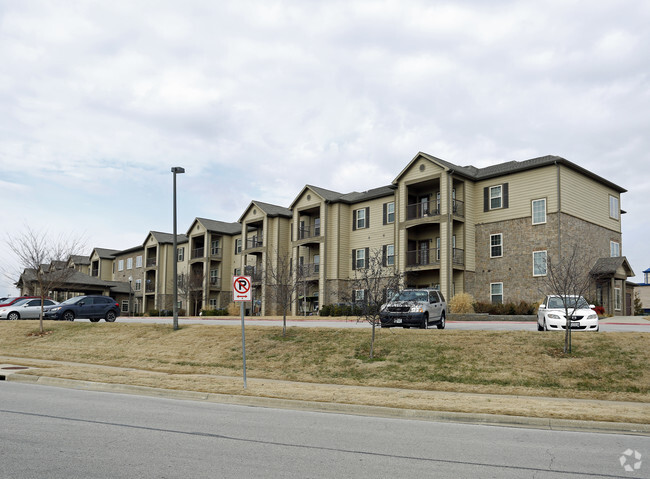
(614, 249)
(498, 197)
(138, 261)
(138, 285)
(360, 258)
(390, 212)
(361, 218)
(499, 245)
(390, 255)
(539, 211)
(213, 303)
(618, 300)
(614, 208)
(537, 263)
(493, 294)
(125, 306)
(214, 273)
(120, 265)
(129, 263)
(214, 247)
(180, 253)
(359, 295)
(238, 246)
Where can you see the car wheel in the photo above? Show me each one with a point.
(539, 327)
(441, 323)
(13, 316)
(94, 320)
(425, 321)
(68, 316)
(110, 316)
(545, 328)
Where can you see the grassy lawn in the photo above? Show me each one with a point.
(612, 366)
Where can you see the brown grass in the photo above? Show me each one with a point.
(419, 368)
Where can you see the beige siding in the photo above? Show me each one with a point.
(584, 198)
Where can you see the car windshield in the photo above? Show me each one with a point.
(556, 302)
(411, 296)
(73, 300)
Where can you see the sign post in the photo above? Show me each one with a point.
(241, 292)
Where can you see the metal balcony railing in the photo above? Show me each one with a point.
(421, 210)
(423, 257)
(198, 252)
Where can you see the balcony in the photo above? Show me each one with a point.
(423, 257)
(308, 270)
(253, 243)
(197, 253)
(458, 208)
(458, 256)
(421, 210)
(94, 272)
(151, 262)
(308, 232)
(149, 288)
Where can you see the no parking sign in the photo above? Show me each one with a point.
(241, 288)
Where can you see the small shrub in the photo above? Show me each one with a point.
(521, 308)
(462, 303)
(325, 310)
(154, 312)
(214, 312)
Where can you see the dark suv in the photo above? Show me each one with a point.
(90, 307)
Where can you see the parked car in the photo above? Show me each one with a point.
(25, 309)
(414, 307)
(93, 307)
(13, 299)
(551, 314)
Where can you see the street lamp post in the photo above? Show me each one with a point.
(175, 170)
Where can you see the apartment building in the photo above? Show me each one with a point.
(486, 231)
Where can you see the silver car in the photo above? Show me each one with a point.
(25, 309)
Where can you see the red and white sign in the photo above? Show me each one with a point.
(241, 288)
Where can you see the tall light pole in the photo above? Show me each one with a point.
(175, 170)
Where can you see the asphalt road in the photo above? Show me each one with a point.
(64, 433)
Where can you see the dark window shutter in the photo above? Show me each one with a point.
(505, 195)
(486, 199)
(385, 220)
(383, 255)
(354, 259)
(368, 217)
(354, 220)
(367, 258)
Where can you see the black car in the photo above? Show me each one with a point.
(90, 307)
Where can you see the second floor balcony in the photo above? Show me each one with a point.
(422, 210)
(254, 242)
(197, 253)
(423, 257)
(308, 232)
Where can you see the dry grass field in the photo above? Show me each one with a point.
(411, 368)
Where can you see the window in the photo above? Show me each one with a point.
(138, 284)
(316, 264)
(359, 295)
(496, 245)
(214, 247)
(214, 276)
(539, 211)
(389, 255)
(125, 305)
(496, 293)
(238, 246)
(180, 254)
(138, 261)
(389, 213)
(617, 299)
(213, 303)
(360, 219)
(495, 197)
(129, 263)
(614, 209)
(539, 263)
(360, 260)
(614, 249)
(120, 265)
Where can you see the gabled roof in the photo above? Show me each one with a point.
(610, 265)
(268, 209)
(79, 259)
(507, 168)
(163, 238)
(348, 198)
(105, 253)
(218, 226)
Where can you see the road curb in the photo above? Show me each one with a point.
(342, 408)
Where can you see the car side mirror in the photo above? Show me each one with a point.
(592, 306)
(541, 306)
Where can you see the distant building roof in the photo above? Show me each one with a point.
(163, 238)
(220, 226)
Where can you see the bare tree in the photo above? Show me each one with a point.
(282, 286)
(44, 261)
(372, 282)
(189, 284)
(568, 276)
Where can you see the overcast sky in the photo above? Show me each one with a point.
(255, 99)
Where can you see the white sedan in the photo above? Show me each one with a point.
(25, 309)
(551, 314)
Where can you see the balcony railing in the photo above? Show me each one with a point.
(458, 207)
(151, 262)
(308, 270)
(458, 256)
(94, 272)
(308, 232)
(253, 243)
(421, 210)
(423, 257)
(149, 288)
(198, 252)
